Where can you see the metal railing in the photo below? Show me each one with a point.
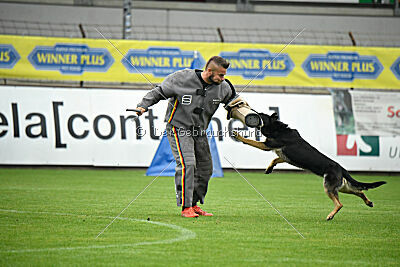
(198, 34)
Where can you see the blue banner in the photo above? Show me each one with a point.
(161, 61)
(396, 68)
(8, 56)
(71, 58)
(342, 66)
(249, 63)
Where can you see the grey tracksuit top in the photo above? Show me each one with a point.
(189, 105)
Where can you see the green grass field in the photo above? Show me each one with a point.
(52, 217)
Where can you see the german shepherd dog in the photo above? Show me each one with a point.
(293, 149)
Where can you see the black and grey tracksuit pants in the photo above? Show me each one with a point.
(193, 165)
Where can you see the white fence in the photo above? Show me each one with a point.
(56, 126)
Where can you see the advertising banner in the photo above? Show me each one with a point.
(64, 126)
(376, 113)
(367, 113)
(298, 65)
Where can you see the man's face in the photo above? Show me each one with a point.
(217, 74)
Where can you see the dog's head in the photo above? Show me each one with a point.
(270, 123)
(268, 120)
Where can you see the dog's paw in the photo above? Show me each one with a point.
(268, 171)
(370, 204)
(330, 217)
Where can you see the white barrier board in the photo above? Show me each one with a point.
(59, 126)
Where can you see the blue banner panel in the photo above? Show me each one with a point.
(342, 66)
(71, 58)
(8, 56)
(396, 68)
(257, 64)
(161, 61)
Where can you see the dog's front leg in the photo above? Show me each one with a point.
(259, 145)
(273, 164)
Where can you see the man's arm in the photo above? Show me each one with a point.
(232, 95)
(229, 98)
(161, 92)
(151, 98)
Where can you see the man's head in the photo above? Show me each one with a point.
(215, 70)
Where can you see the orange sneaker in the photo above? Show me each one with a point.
(201, 212)
(189, 213)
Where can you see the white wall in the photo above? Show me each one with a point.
(311, 115)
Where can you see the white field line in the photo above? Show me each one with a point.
(184, 234)
(133, 200)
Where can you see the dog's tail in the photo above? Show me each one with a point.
(359, 185)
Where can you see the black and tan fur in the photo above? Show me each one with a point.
(293, 149)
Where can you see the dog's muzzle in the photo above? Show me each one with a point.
(240, 109)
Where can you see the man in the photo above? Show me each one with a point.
(194, 96)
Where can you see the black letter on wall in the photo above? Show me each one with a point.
(96, 127)
(151, 119)
(123, 126)
(57, 125)
(42, 124)
(230, 128)
(71, 129)
(3, 123)
(14, 107)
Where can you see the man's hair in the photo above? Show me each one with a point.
(219, 61)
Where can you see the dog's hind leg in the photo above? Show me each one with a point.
(331, 184)
(348, 189)
(338, 205)
(273, 164)
(367, 202)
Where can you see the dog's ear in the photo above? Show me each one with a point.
(275, 116)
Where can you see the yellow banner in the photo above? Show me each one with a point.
(298, 65)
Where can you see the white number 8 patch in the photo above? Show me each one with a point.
(186, 100)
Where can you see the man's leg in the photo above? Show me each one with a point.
(183, 150)
(204, 168)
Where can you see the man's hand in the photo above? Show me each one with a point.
(142, 110)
